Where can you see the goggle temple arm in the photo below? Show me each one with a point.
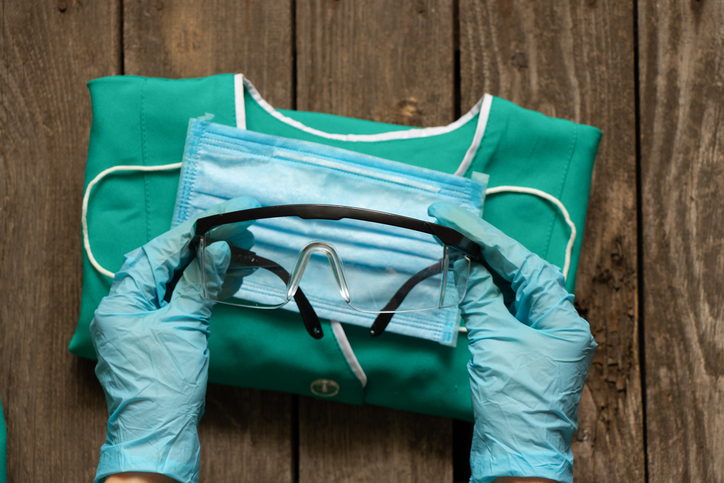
(309, 316)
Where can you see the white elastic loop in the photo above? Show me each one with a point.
(86, 196)
(167, 167)
(555, 201)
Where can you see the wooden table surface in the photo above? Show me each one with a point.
(649, 74)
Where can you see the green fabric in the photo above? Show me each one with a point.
(140, 121)
(526, 148)
(3, 447)
(442, 153)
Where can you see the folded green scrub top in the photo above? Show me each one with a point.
(539, 179)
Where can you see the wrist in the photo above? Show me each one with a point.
(516, 439)
(516, 479)
(139, 478)
(492, 461)
(158, 450)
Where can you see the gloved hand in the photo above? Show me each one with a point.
(529, 361)
(153, 357)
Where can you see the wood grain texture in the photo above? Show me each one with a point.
(681, 53)
(54, 407)
(187, 38)
(246, 435)
(575, 60)
(383, 61)
(387, 62)
(344, 443)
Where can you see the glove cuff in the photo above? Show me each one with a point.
(486, 465)
(178, 458)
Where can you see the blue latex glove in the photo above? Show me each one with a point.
(527, 370)
(152, 356)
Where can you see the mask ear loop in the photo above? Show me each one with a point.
(561, 208)
(86, 197)
(169, 167)
(555, 201)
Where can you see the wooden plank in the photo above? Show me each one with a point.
(575, 60)
(682, 169)
(387, 62)
(377, 60)
(246, 435)
(55, 409)
(344, 443)
(184, 38)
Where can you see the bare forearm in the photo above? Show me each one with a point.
(517, 479)
(138, 478)
(154, 478)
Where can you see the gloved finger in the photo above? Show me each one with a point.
(487, 317)
(236, 272)
(504, 255)
(236, 204)
(236, 234)
(483, 308)
(234, 279)
(543, 303)
(170, 251)
(230, 231)
(128, 293)
(188, 297)
(541, 299)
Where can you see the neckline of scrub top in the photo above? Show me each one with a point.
(399, 132)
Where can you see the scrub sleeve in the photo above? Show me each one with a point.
(142, 121)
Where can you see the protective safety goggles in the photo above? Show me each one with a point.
(341, 260)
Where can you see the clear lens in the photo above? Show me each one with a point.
(266, 281)
(458, 275)
(338, 264)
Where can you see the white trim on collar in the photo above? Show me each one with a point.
(486, 101)
(239, 101)
(482, 107)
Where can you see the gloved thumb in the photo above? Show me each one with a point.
(196, 293)
(483, 308)
(506, 256)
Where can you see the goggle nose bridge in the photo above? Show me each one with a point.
(334, 262)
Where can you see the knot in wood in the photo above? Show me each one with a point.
(519, 59)
(408, 112)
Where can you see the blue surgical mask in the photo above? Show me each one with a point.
(221, 163)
